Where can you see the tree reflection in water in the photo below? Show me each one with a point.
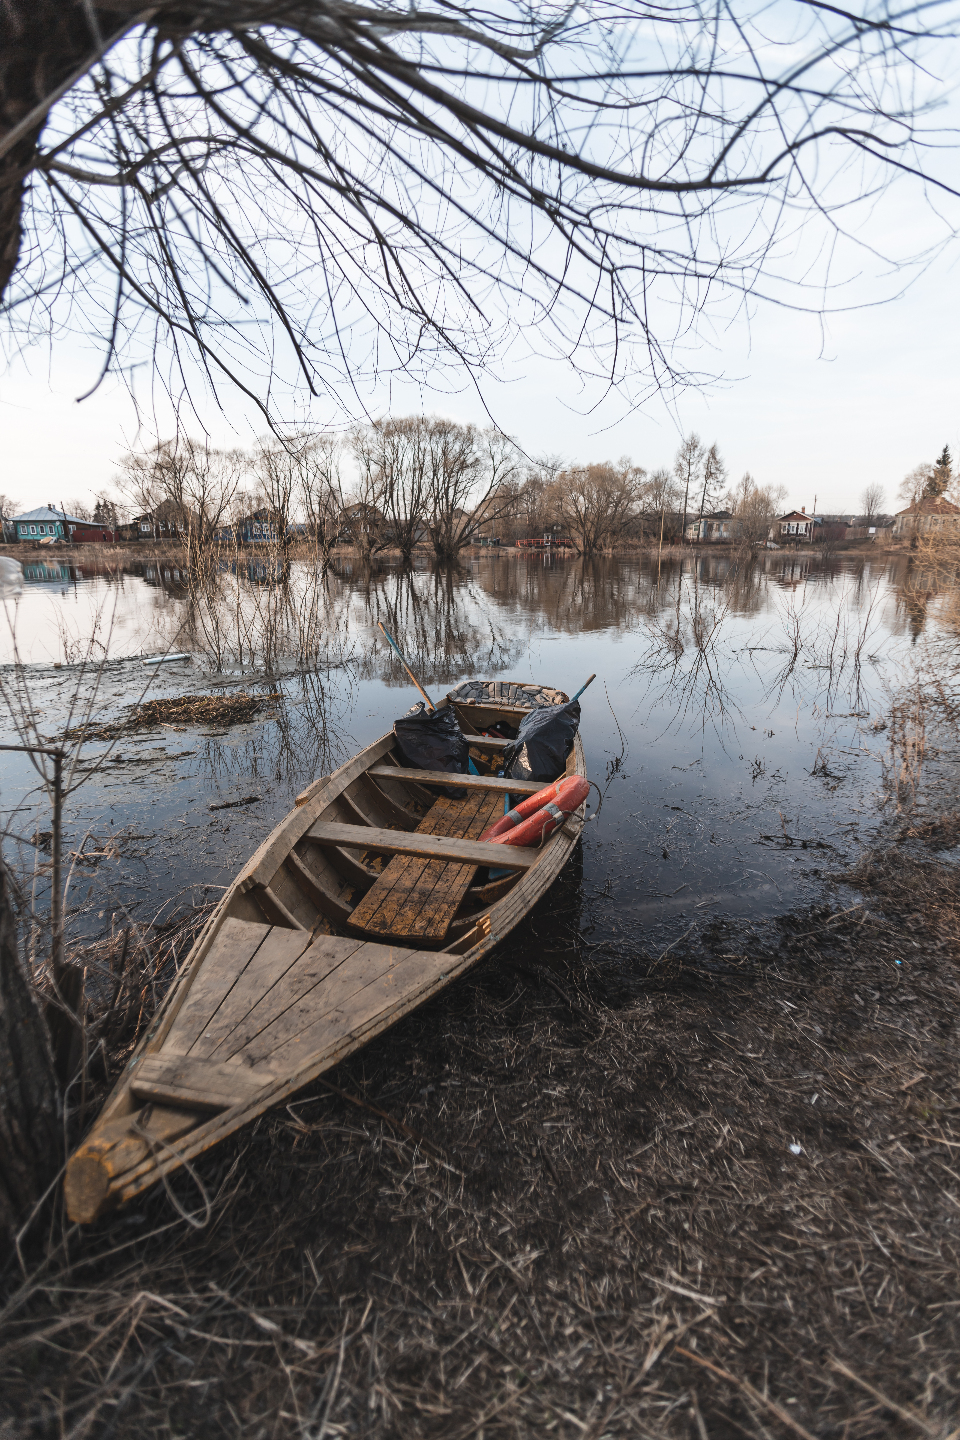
(440, 616)
(684, 616)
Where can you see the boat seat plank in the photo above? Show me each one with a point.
(244, 981)
(331, 835)
(231, 952)
(194, 1084)
(414, 899)
(466, 782)
(237, 1021)
(390, 993)
(380, 967)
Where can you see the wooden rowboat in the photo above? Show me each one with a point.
(372, 895)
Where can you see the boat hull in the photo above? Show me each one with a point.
(287, 979)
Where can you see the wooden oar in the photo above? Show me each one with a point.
(583, 687)
(396, 649)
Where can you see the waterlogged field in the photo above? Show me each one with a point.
(736, 731)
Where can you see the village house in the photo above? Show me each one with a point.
(932, 515)
(360, 521)
(796, 526)
(46, 524)
(163, 523)
(260, 527)
(720, 525)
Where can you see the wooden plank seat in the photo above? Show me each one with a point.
(196, 1084)
(333, 835)
(464, 782)
(416, 898)
(487, 742)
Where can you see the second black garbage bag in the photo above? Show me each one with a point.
(432, 740)
(543, 742)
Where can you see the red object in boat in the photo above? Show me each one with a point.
(536, 818)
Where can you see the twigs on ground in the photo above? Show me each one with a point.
(884, 1400)
(763, 1401)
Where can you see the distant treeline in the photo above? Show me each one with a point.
(402, 483)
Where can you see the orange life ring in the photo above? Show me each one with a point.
(527, 807)
(534, 819)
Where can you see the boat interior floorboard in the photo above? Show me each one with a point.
(415, 900)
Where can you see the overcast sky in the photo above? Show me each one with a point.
(823, 410)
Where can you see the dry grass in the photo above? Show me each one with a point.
(127, 975)
(607, 1235)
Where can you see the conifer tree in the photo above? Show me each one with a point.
(939, 482)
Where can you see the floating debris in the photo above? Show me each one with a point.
(207, 710)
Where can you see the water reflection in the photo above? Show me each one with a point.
(261, 609)
(48, 574)
(443, 616)
(916, 587)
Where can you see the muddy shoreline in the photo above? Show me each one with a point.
(723, 1200)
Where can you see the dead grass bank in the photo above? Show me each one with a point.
(712, 1197)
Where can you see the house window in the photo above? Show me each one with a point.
(33, 529)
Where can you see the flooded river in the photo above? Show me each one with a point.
(736, 729)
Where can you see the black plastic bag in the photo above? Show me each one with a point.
(543, 742)
(432, 740)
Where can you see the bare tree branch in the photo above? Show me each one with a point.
(288, 192)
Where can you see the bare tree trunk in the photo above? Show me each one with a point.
(30, 1133)
(42, 43)
(14, 168)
